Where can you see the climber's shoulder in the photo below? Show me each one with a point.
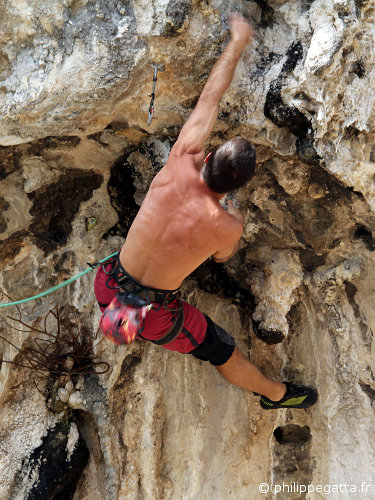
(183, 158)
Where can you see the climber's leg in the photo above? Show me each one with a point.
(239, 371)
(218, 347)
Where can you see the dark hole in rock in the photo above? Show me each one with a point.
(121, 191)
(294, 54)
(283, 115)
(307, 4)
(4, 205)
(9, 161)
(311, 260)
(224, 115)
(356, 193)
(363, 233)
(270, 337)
(351, 290)
(176, 13)
(11, 247)
(90, 434)
(292, 434)
(335, 243)
(307, 152)
(351, 132)
(302, 95)
(213, 278)
(267, 13)
(52, 470)
(359, 69)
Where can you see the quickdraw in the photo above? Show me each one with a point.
(151, 108)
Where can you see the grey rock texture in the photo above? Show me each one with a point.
(76, 159)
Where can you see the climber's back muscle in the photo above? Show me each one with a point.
(179, 225)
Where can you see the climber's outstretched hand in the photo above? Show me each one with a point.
(240, 30)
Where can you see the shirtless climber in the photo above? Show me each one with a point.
(179, 225)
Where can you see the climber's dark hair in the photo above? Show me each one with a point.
(230, 165)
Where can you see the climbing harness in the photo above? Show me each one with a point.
(137, 293)
(64, 283)
(151, 107)
(123, 318)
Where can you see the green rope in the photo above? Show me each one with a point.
(54, 288)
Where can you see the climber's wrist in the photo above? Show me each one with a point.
(237, 47)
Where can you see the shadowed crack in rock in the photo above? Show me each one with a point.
(52, 470)
(290, 117)
(52, 142)
(121, 191)
(368, 390)
(128, 367)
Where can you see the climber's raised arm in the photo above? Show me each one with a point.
(198, 127)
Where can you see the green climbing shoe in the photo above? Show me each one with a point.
(296, 396)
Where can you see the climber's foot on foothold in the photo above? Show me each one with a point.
(296, 396)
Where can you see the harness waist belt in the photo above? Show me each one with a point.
(129, 284)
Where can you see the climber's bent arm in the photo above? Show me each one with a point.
(226, 254)
(232, 235)
(198, 127)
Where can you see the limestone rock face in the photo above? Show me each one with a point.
(76, 160)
